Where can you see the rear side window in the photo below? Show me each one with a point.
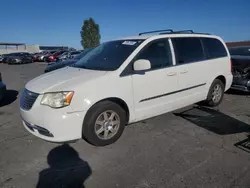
(214, 48)
(188, 50)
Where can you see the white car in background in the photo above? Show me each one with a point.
(125, 81)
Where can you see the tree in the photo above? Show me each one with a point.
(90, 34)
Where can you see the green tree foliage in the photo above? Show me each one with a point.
(90, 34)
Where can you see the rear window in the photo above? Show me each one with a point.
(214, 48)
(188, 50)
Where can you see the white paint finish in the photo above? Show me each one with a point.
(62, 79)
(172, 51)
(153, 83)
(142, 64)
(62, 125)
(91, 86)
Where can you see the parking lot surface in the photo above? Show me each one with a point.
(193, 147)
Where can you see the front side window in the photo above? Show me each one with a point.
(108, 56)
(158, 53)
(188, 50)
(214, 48)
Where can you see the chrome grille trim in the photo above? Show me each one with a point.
(27, 100)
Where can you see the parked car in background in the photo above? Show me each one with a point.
(35, 56)
(18, 58)
(2, 88)
(2, 57)
(68, 55)
(60, 64)
(53, 57)
(43, 55)
(125, 81)
(240, 57)
(5, 57)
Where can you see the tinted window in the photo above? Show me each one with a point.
(188, 50)
(158, 53)
(18, 54)
(109, 55)
(214, 48)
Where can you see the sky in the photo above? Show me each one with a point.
(58, 22)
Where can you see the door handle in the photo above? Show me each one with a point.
(171, 73)
(184, 71)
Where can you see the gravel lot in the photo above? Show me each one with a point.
(194, 147)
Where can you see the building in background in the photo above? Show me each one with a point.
(238, 43)
(6, 48)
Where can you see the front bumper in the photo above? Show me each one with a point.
(54, 125)
(240, 88)
(241, 84)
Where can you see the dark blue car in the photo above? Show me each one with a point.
(61, 64)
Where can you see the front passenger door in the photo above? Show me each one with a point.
(152, 88)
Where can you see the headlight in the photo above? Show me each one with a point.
(57, 99)
(18, 60)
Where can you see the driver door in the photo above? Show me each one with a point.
(153, 88)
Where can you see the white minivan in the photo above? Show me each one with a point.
(125, 81)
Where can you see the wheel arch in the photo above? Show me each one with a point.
(118, 101)
(222, 78)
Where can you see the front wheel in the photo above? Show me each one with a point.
(104, 123)
(216, 93)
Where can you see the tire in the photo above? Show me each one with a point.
(90, 127)
(212, 100)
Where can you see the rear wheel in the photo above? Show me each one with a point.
(216, 93)
(104, 123)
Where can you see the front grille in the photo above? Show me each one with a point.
(28, 98)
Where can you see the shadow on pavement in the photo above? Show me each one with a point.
(10, 96)
(66, 169)
(214, 121)
(244, 144)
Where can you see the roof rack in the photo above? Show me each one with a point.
(170, 31)
(157, 31)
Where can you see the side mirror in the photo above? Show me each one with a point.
(142, 65)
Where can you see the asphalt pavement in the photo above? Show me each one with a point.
(192, 147)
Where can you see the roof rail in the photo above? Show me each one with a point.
(157, 31)
(181, 31)
(170, 31)
(185, 32)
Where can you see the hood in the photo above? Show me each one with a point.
(63, 79)
(57, 65)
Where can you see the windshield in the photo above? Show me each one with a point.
(57, 53)
(108, 56)
(17, 54)
(65, 53)
(82, 54)
(244, 51)
(74, 53)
